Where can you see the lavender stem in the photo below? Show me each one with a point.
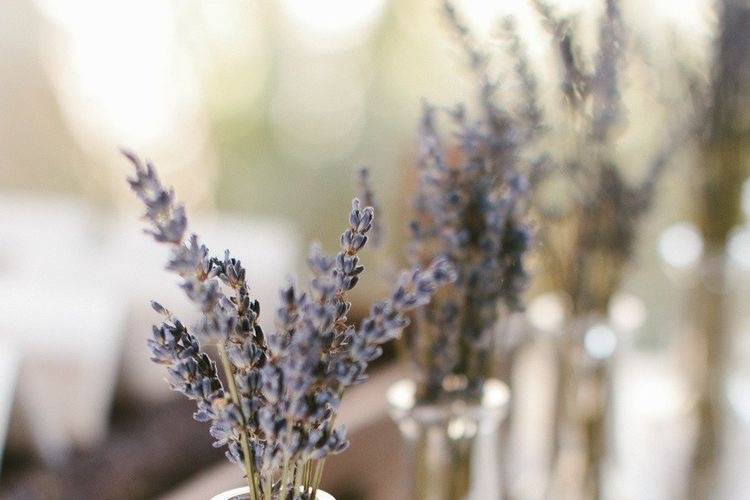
(248, 457)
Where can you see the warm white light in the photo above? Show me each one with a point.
(546, 312)
(235, 55)
(484, 17)
(573, 5)
(659, 394)
(333, 24)
(600, 341)
(495, 394)
(459, 428)
(627, 312)
(738, 247)
(738, 395)
(681, 245)
(122, 76)
(401, 395)
(689, 15)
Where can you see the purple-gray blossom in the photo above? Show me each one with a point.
(274, 410)
(470, 208)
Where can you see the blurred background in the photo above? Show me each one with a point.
(259, 112)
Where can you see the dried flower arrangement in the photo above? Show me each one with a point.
(470, 206)
(587, 244)
(276, 407)
(724, 138)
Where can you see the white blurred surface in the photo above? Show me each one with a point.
(75, 287)
(268, 249)
(9, 362)
(62, 319)
(70, 342)
(43, 236)
(652, 428)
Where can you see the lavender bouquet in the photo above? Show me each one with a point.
(275, 402)
(470, 206)
(588, 243)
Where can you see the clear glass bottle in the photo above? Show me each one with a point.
(453, 446)
(584, 405)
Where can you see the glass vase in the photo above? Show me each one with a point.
(243, 494)
(453, 446)
(582, 410)
(582, 441)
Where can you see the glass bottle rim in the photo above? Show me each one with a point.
(493, 402)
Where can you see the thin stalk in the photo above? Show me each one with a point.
(321, 463)
(507, 368)
(595, 432)
(310, 478)
(244, 441)
(711, 308)
(460, 467)
(297, 477)
(268, 488)
(421, 472)
(306, 474)
(311, 464)
(422, 358)
(722, 171)
(284, 477)
(562, 395)
(318, 477)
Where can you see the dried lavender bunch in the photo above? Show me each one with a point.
(724, 138)
(588, 243)
(594, 237)
(530, 113)
(275, 410)
(470, 207)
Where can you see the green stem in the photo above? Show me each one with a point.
(307, 474)
(297, 477)
(460, 473)
(421, 468)
(284, 478)
(268, 488)
(317, 478)
(322, 462)
(244, 442)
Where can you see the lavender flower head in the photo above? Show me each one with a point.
(275, 406)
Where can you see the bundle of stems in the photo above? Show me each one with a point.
(725, 144)
(471, 207)
(587, 244)
(474, 173)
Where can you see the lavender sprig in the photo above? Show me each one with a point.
(191, 371)
(367, 195)
(228, 323)
(388, 318)
(470, 208)
(576, 83)
(531, 111)
(588, 259)
(276, 415)
(605, 94)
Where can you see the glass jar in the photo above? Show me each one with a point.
(453, 445)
